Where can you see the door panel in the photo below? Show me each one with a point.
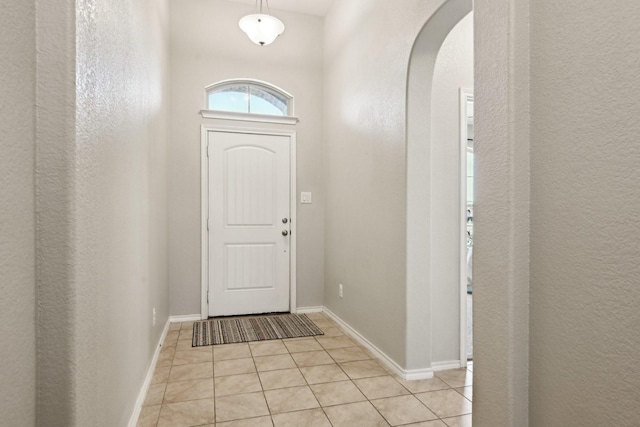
(249, 194)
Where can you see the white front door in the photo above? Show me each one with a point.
(249, 223)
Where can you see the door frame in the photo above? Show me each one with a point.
(204, 203)
(465, 96)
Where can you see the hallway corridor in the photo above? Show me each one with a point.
(323, 381)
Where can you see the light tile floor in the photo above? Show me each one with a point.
(324, 381)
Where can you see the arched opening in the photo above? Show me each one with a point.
(421, 187)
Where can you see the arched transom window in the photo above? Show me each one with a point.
(249, 97)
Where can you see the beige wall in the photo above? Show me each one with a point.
(585, 234)
(17, 203)
(367, 54)
(102, 210)
(207, 46)
(558, 165)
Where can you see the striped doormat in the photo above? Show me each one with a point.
(245, 329)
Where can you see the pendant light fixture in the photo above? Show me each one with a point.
(261, 28)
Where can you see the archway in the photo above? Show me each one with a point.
(419, 361)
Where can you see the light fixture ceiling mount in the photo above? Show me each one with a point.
(262, 28)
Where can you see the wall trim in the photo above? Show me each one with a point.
(246, 117)
(411, 374)
(447, 364)
(185, 318)
(133, 421)
(303, 310)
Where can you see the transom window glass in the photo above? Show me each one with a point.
(249, 97)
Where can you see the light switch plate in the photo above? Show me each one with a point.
(305, 197)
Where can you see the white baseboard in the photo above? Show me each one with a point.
(185, 318)
(443, 366)
(303, 310)
(412, 374)
(147, 380)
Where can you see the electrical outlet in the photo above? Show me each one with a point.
(340, 288)
(154, 316)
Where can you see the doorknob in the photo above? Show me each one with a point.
(285, 233)
(285, 220)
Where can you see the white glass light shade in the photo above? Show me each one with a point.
(261, 29)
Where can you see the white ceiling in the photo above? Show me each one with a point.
(311, 7)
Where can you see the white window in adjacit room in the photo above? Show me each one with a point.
(248, 96)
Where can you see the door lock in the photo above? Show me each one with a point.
(285, 220)
(285, 233)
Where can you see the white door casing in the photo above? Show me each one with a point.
(249, 264)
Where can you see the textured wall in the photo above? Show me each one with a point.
(585, 197)
(453, 70)
(501, 215)
(102, 227)
(17, 250)
(207, 46)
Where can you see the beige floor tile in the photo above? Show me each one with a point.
(380, 387)
(363, 369)
(191, 413)
(165, 359)
(190, 357)
(168, 349)
(434, 423)
(308, 418)
(231, 351)
(446, 403)
(172, 335)
(169, 344)
(223, 368)
(456, 377)
(149, 416)
(182, 391)
(324, 323)
(316, 316)
(312, 358)
(161, 375)
(420, 386)
(240, 406)
(186, 325)
(191, 372)
(302, 345)
(267, 348)
(290, 399)
(403, 410)
(337, 393)
(249, 422)
(355, 414)
(185, 345)
(323, 374)
(274, 363)
(174, 326)
(349, 354)
(185, 334)
(463, 421)
(155, 394)
(285, 378)
(466, 392)
(332, 332)
(237, 384)
(329, 343)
